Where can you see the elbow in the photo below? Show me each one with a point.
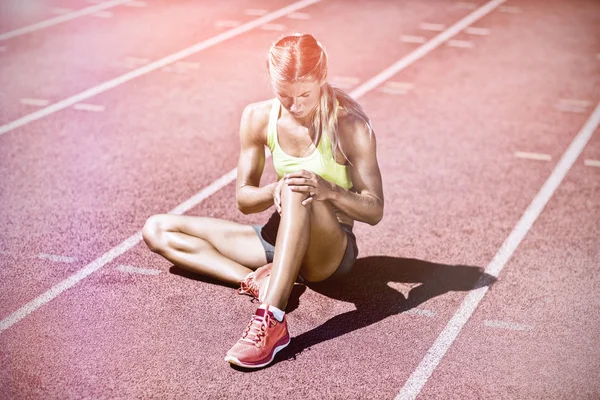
(377, 216)
(243, 208)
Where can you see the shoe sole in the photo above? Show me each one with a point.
(235, 361)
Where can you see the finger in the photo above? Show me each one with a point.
(298, 182)
(303, 189)
(308, 201)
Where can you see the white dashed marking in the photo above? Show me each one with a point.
(298, 15)
(273, 27)
(591, 163)
(181, 67)
(135, 270)
(345, 82)
(421, 312)
(426, 26)
(103, 14)
(395, 87)
(227, 23)
(533, 156)
(135, 3)
(88, 107)
(56, 258)
(510, 9)
(477, 31)
(507, 325)
(134, 62)
(465, 5)
(35, 102)
(60, 11)
(412, 39)
(462, 44)
(257, 12)
(572, 105)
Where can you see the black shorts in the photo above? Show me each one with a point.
(268, 233)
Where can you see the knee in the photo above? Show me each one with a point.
(153, 233)
(287, 194)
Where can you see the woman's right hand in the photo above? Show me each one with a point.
(277, 195)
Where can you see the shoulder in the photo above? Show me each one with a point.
(255, 118)
(354, 133)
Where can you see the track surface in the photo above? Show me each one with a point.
(78, 183)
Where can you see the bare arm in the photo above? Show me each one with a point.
(249, 196)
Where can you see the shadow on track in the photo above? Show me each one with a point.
(367, 287)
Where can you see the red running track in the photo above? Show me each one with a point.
(77, 184)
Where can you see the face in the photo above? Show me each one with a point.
(299, 98)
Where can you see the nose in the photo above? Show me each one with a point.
(295, 105)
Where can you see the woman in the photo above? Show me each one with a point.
(323, 151)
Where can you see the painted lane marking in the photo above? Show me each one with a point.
(412, 39)
(274, 27)
(395, 87)
(35, 102)
(135, 3)
(227, 23)
(344, 82)
(426, 26)
(136, 270)
(510, 10)
(60, 19)
(256, 12)
(477, 31)
(88, 107)
(205, 44)
(507, 325)
(421, 375)
(573, 105)
(103, 14)
(591, 163)
(56, 258)
(421, 312)
(462, 44)
(533, 156)
(298, 15)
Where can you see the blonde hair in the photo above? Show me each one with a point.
(300, 57)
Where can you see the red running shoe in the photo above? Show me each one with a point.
(254, 281)
(261, 341)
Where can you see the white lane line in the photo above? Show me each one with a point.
(507, 325)
(56, 258)
(103, 87)
(510, 10)
(533, 156)
(298, 15)
(227, 23)
(34, 102)
(274, 27)
(60, 19)
(573, 105)
(136, 270)
(434, 355)
(103, 14)
(88, 107)
(230, 176)
(421, 312)
(462, 44)
(426, 48)
(477, 31)
(591, 163)
(412, 39)
(256, 12)
(426, 26)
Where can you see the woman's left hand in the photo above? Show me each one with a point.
(310, 183)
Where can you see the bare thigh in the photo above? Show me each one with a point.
(238, 242)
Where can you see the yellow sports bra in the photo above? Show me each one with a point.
(320, 161)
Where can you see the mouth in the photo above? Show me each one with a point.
(296, 114)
